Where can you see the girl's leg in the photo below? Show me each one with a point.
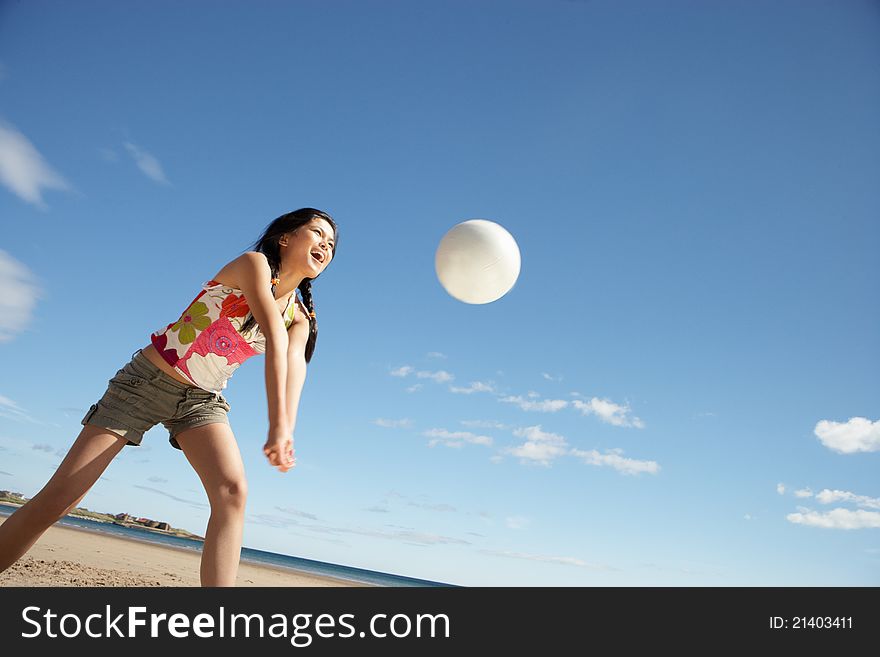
(213, 453)
(89, 456)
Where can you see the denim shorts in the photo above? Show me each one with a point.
(141, 395)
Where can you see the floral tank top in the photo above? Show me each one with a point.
(206, 345)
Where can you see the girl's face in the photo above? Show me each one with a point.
(311, 246)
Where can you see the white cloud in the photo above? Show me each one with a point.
(147, 163)
(20, 294)
(613, 458)
(439, 376)
(516, 522)
(803, 492)
(609, 412)
(827, 496)
(747, 517)
(23, 169)
(836, 519)
(455, 438)
(405, 423)
(475, 386)
(546, 406)
(483, 424)
(541, 447)
(436, 354)
(415, 388)
(550, 377)
(859, 434)
(780, 488)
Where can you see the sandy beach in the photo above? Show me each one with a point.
(75, 557)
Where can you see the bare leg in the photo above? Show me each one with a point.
(88, 457)
(213, 453)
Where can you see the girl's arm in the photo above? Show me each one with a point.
(296, 367)
(254, 277)
(280, 452)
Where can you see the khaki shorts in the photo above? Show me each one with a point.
(141, 395)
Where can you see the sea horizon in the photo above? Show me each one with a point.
(248, 555)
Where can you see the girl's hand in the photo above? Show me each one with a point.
(279, 451)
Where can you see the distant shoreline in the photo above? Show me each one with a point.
(146, 541)
(78, 556)
(111, 520)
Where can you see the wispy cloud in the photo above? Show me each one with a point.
(23, 170)
(438, 377)
(393, 533)
(455, 438)
(415, 387)
(147, 163)
(200, 505)
(436, 354)
(420, 502)
(780, 488)
(11, 410)
(836, 519)
(19, 297)
(157, 480)
(540, 448)
(609, 412)
(296, 513)
(565, 561)
(613, 458)
(404, 423)
(544, 406)
(475, 386)
(859, 434)
(516, 522)
(803, 492)
(550, 377)
(484, 424)
(43, 447)
(827, 496)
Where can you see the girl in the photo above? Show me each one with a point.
(249, 307)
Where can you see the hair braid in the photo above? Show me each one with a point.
(306, 289)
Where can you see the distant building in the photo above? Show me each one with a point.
(123, 517)
(164, 526)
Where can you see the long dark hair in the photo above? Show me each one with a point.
(268, 246)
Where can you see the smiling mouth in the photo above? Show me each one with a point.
(318, 256)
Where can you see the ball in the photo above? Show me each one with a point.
(477, 261)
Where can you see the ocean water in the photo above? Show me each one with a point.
(298, 564)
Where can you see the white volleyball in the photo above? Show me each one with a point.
(477, 261)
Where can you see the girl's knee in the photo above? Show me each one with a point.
(229, 494)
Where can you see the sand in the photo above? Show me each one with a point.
(76, 557)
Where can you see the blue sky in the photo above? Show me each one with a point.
(680, 389)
